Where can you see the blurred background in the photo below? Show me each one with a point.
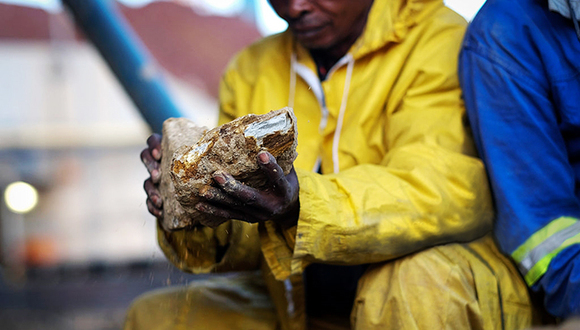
(77, 244)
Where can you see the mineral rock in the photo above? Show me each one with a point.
(177, 132)
(232, 148)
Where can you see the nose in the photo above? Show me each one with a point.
(297, 8)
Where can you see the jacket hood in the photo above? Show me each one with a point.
(389, 22)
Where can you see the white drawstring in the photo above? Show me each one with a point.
(292, 91)
(340, 119)
(316, 88)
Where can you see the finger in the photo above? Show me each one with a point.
(153, 193)
(212, 222)
(154, 143)
(158, 213)
(223, 213)
(151, 164)
(156, 176)
(236, 189)
(217, 196)
(274, 173)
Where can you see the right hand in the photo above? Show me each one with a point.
(151, 158)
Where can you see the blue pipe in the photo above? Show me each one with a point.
(127, 57)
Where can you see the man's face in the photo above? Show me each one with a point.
(323, 24)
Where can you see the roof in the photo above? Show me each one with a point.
(193, 47)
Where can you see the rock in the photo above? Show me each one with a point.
(177, 132)
(232, 148)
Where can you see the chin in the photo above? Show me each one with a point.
(317, 44)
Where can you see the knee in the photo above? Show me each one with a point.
(153, 309)
(217, 303)
(416, 291)
(427, 273)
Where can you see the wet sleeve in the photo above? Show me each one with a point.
(427, 190)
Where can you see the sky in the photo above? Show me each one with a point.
(267, 21)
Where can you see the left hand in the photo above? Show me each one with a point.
(234, 200)
(151, 158)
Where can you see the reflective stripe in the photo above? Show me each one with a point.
(549, 245)
(542, 265)
(534, 256)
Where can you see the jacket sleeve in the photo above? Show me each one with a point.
(232, 246)
(516, 128)
(427, 190)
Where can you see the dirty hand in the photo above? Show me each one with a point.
(234, 200)
(151, 157)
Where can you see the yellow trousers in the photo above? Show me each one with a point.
(453, 286)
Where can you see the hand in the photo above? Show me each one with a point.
(151, 157)
(234, 200)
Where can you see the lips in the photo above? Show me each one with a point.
(307, 31)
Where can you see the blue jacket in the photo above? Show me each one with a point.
(520, 73)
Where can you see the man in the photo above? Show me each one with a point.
(385, 177)
(520, 72)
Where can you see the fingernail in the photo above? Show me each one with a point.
(264, 158)
(155, 154)
(155, 174)
(157, 200)
(219, 177)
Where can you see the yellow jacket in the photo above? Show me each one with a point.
(399, 172)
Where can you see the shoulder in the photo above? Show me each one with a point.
(260, 56)
(509, 33)
(501, 18)
(436, 41)
(440, 21)
(439, 29)
(447, 18)
(513, 24)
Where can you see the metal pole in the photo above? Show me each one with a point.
(127, 57)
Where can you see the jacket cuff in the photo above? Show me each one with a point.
(280, 247)
(192, 250)
(277, 248)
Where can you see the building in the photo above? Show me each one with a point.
(68, 128)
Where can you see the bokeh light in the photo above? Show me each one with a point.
(20, 197)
